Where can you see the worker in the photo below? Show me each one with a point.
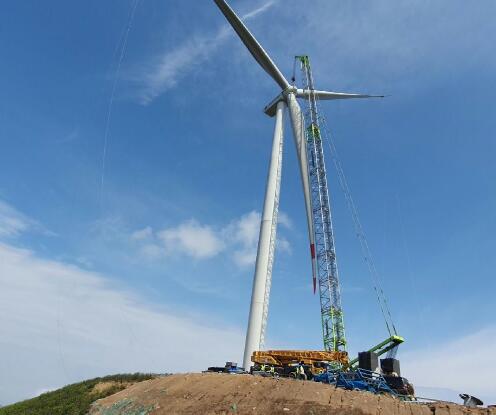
(262, 368)
(300, 372)
(272, 370)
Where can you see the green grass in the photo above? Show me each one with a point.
(73, 399)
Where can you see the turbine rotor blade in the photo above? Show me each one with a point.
(328, 95)
(298, 125)
(257, 51)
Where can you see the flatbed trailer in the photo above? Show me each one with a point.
(286, 361)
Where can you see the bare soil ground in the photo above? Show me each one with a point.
(105, 386)
(212, 393)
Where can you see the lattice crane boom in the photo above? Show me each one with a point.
(325, 251)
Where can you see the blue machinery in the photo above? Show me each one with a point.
(366, 380)
(359, 379)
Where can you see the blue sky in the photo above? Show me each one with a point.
(155, 266)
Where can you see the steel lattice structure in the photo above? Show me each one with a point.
(325, 251)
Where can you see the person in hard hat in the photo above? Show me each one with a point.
(272, 370)
(300, 372)
(262, 368)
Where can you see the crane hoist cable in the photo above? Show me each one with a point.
(360, 233)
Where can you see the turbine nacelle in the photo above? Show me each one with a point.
(270, 109)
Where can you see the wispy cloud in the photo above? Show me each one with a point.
(401, 46)
(405, 44)
(173, 65)
(71, 136)
(61, 324)
(142, 234)
(259, 10)
(13, 222)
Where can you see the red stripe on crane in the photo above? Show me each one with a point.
(312, 250)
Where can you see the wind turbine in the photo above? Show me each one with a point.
(287, 97)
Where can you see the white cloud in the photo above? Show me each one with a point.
(152, 251)
(192, 53)
(193, 239)
(142, 234)
(244, 236)
(61, 324)
(246, 229)
(285, 220)
(13, 222)
(464, 364)
(244, 257)
(239, 239)
(283, 245)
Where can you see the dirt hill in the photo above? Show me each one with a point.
(204, 394)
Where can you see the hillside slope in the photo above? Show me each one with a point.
(74, 399)
(211, 393)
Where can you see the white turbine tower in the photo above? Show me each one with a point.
(265, 253)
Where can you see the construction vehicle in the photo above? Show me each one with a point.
(285, 362)
(230, 367)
